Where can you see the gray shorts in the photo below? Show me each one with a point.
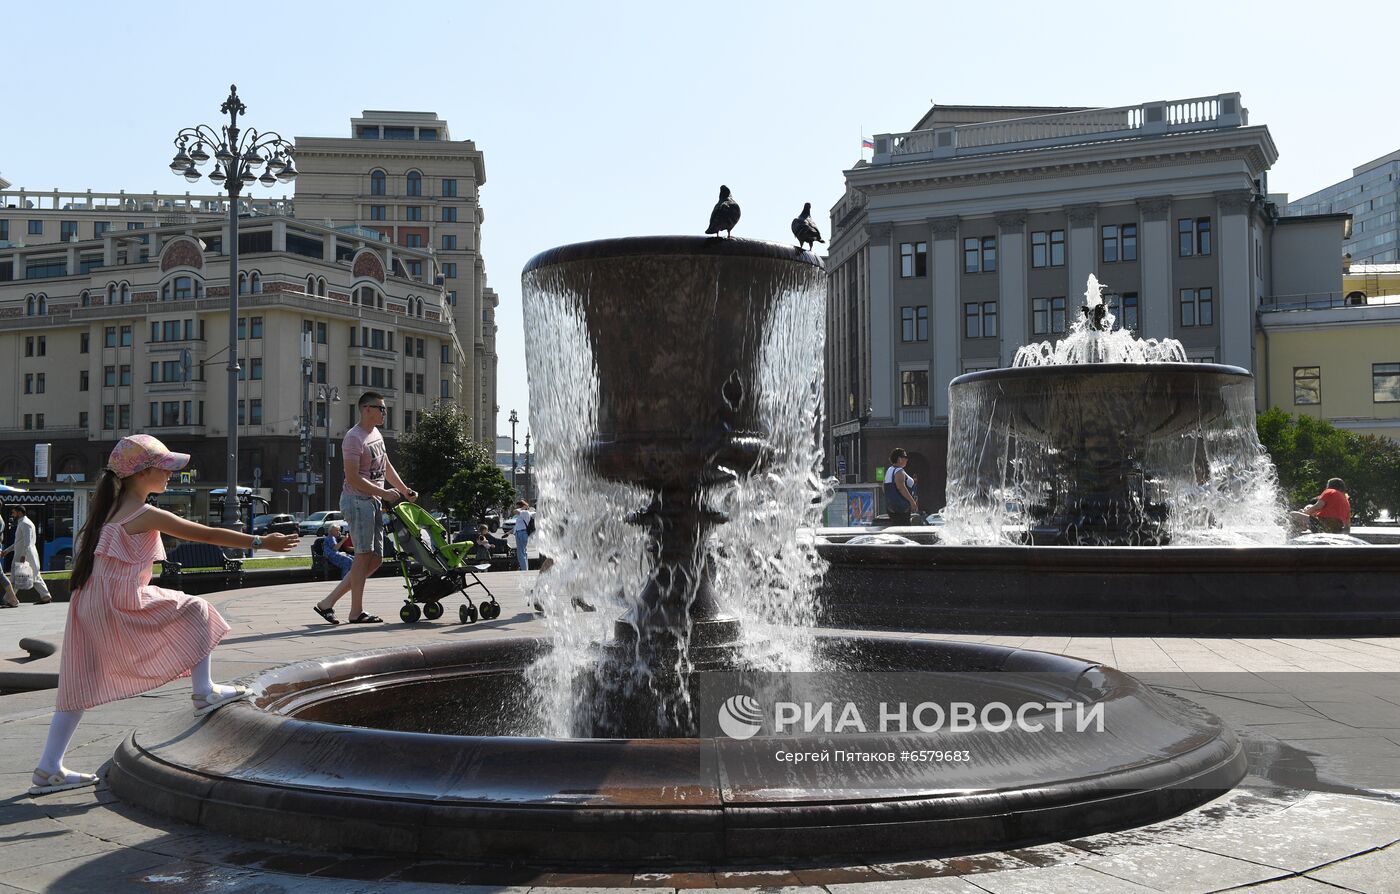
(362, 515)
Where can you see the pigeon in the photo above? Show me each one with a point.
(725, 215)
(804, 229)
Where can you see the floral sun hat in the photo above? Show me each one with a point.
(140, 452)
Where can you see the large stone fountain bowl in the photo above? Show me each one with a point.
(413, 751)
(1131, 403)
(676, 326)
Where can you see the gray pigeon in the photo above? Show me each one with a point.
(725, 215)
(804, 229)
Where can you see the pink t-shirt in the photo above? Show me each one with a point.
(367, 450)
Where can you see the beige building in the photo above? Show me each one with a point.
(1335, 354)
(401, 174)
(975, 233)
(128, 332)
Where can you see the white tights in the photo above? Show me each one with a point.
(65, 723)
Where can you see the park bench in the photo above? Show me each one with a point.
(204, 561)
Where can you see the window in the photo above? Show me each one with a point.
(184, 288)
(256, 371)
(126, 337)
(1048, 315)
(39, 384)
(255, 284)
(914, 324)
(377, 212)
(415, 269)
(452, 297)
(109, 416)
(981, 319)
(449, 242)
(1128, 235)
(67, 229)
(82, 419)
(1109, 239)
(1127, 316)
(1307, 384)
(415, 184)
(255, 416)
(83, 343)
(109, 337)
(444, 388)
(1385, 383)
(1048, 248)
(449, 189)
(125, 377)
(419, 352)
(321, 333)
(449, 215)
(99, 227)
(321, 372)
(36, 228)
(109, 377)
(913, 259)
(376, 377)
(377, 182)
(413, 240)
(446, 354)
(123, 416)
(1193, 236)
(980, 254)
(4, 231)
(242, 412)
(422, 382)
(1197, 307)
(29, 346)
(413, 212)
(449, 269)
(42, 345)
(28, 421)
(913, 388)
(29, 383)
(82, 380)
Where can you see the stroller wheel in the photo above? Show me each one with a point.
(467, 614)
(409, 614)
(489, 611)
(432, 610)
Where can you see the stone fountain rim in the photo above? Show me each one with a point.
(1097, 369)
(660, 246)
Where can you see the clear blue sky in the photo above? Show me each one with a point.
(615, 119)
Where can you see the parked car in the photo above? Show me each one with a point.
(274, 524)
(314, 524)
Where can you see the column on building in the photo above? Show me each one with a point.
(1083, 244)
(1155, 250)
(279, 235)
(882, 321)
(947, 315)
(1234, 304)
(328, 249)
(1011, 283)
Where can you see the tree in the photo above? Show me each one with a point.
(436, 448)
(1308, 451)
(476, 486)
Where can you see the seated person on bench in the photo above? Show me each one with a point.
(337, 549)
(487, 543)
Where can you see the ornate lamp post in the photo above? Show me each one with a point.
(513, 420)
(237, 156)
(329, 394)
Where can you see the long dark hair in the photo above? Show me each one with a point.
(104, 500)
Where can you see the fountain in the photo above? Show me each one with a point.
(676, 386)
(1140, 481)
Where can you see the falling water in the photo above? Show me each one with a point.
(763, 572)
(1105, 438)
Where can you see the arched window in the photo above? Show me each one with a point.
(124, 294)
(377, 182)
(366, 296)
(199, 288)
(256, 283)
(165, 292)
(310, 285)
(29, 305)
(184, 288)
(85, 298)
(43, 304)
(378, 301)
(111, 293)
(321, 286)
(242, 283)
(415, 183)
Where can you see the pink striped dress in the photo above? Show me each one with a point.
(124, 636)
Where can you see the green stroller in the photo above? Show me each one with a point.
(434, 568)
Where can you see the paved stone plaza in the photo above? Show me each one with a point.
(1320, 811)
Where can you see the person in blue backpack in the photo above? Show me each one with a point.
(901, 497)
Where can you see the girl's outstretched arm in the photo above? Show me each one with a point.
(157, 519)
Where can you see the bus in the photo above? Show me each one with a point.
(56, 515)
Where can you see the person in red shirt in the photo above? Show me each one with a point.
(1330, 510)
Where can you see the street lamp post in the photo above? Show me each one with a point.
(237, 156)
(513, 420)
(529, 480)
(329, 394)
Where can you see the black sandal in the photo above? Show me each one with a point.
(363, 618)
(326, 613)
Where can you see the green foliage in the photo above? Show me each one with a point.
(1309, 451)
(476, 486)
(436, 448)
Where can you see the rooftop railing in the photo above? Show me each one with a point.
(1063, 128)
(1323, 301)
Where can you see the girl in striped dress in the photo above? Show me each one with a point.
(124, 636)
